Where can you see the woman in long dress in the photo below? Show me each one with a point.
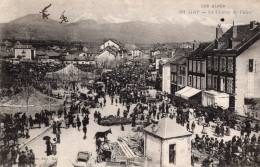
(48, 145)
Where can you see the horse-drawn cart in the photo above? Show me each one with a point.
(111, 152)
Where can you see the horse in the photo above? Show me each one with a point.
(102, 134)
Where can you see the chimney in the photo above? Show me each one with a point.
(252, 25)
(230, 43)
(234, 30)
(219, 31)
(216, 43)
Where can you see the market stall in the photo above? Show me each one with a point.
(214, 98)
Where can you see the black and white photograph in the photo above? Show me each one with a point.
(129, 83)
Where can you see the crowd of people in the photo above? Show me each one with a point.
(128, 85)
(240, 151)
(14, 127)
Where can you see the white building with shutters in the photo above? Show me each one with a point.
(232, 67)
(248, 79)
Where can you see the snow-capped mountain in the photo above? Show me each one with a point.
(87, 29)
(90, 16)
(158, 20)
(98, 19)
(112, 19)
(183, 20)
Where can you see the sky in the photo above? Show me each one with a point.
(133, 10)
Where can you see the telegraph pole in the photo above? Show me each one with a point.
(49, 96)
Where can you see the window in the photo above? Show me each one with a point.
(173, 68)
(209, 63)
(222, 84)
(250, 65)
(180, 80)
(198, 82)
(172, 153)
(198, 66)
(203, 83)
(230, 85)
(230, 64)
(174, 78)
(215, 63)
(194, 66)
(190, 80)
(209, 81)
(184, 81)
(194, 82)
(182, 70)
(203, 67)
(190, 65)
(215, 81)
(222, 64)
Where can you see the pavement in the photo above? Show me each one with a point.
(72, 139)
(34, 135)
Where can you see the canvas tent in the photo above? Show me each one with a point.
(187, 92)
(69, 73)
(214, 98)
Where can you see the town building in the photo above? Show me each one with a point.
(197, 67)
(179, 69)
(24, 52)
(232, 62)
(111, 43)
(76, 59)
(163, 72)
(47, 56)
(108, 58)
(167, 144)
(134, 50)
(189, 88)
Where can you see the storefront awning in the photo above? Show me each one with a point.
(187, 92)
(182, 91)
(190, 93)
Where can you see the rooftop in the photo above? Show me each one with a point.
(23, 47)
(115, 41)
(199, 52)
(78, 58)
(167, 129)
(244, 37)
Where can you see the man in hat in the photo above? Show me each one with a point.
(21, 159)
(78, 123)
(14, 155)
(48, 147)
(58, 136)
(54, 146)
(54, 126)
(118, 112)
(31, 158)
(193, 126)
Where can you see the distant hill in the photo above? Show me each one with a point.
(34, 27)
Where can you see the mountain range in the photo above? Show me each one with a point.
(90, 28)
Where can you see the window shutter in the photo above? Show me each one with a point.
(247, 66)
(255, 66)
